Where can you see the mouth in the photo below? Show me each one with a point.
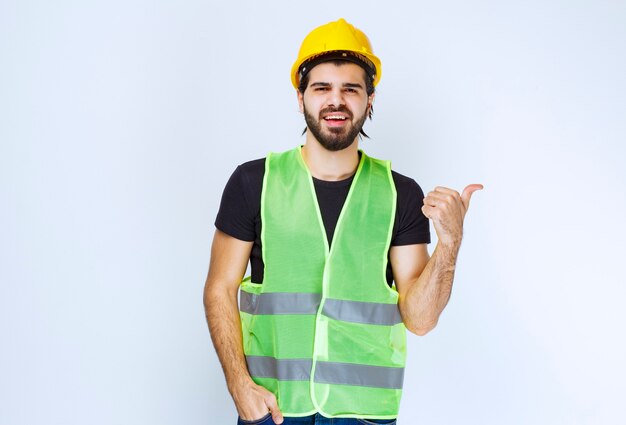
(336, 119)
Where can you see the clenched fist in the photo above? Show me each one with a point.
(447, 209)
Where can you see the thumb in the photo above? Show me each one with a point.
(467, 193)
(277, 416)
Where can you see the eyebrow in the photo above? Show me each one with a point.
(324, 84)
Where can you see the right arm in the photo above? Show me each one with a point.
(229, 259)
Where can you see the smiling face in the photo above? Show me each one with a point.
(335, 103)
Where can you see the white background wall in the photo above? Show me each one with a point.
(121, 121)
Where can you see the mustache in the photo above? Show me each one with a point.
(341, 108)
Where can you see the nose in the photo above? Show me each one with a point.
(335, 97)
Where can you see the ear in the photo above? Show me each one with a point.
(370, 101)
(300, 101)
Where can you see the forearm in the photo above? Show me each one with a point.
(229, 257)
(425, 299)
(222, 316)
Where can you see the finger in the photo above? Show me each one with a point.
(277, 416)
(444, 197)
(441, 189)
(435, 203)
(430, 212)
(430, 201)
(440, 201)
(440, 195)
(467, 193)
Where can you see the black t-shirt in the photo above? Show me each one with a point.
(240, 210)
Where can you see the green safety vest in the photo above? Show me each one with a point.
(323, 332)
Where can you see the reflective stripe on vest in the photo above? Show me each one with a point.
(285, 370)
(326, 372)
(297, 303)
(362, 312)
(279, 303)
(323, 331)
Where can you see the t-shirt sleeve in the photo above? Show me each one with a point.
(235, 216)
(412, 226)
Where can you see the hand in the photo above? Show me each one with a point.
(253, 402)
(447, 209)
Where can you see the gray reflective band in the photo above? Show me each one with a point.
(307, 303)
(285, 369)
(279, 303)
(358, 374)
(362, 312)
(326, 372)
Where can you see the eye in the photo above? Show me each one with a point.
(321, 88)
(350, 90)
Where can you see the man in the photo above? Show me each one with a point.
(337, 246)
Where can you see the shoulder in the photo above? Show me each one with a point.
(246, 178)
(251, 170)
(411, 226)
(249, 181)
(241, 199)
(406, 186)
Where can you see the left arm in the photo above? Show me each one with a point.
(424, 283)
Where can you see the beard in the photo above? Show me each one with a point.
(335, 138)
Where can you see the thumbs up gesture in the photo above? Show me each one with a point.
(447, 209)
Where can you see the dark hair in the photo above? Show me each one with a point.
(369, 88)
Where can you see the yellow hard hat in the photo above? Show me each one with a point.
(338, 36)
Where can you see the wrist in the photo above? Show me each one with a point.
(239, 384)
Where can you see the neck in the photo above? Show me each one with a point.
(330, 165)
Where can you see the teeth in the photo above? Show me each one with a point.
(335, 117)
